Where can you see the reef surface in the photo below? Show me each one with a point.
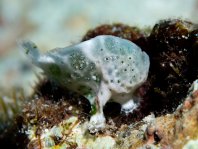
(167, 117)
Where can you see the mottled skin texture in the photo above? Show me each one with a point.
(102, 68)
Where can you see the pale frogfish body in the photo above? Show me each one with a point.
(102, 68)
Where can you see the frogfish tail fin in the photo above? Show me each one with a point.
(30, 49)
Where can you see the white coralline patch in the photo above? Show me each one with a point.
(192, 144)
(102, 68)
(193, 87)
